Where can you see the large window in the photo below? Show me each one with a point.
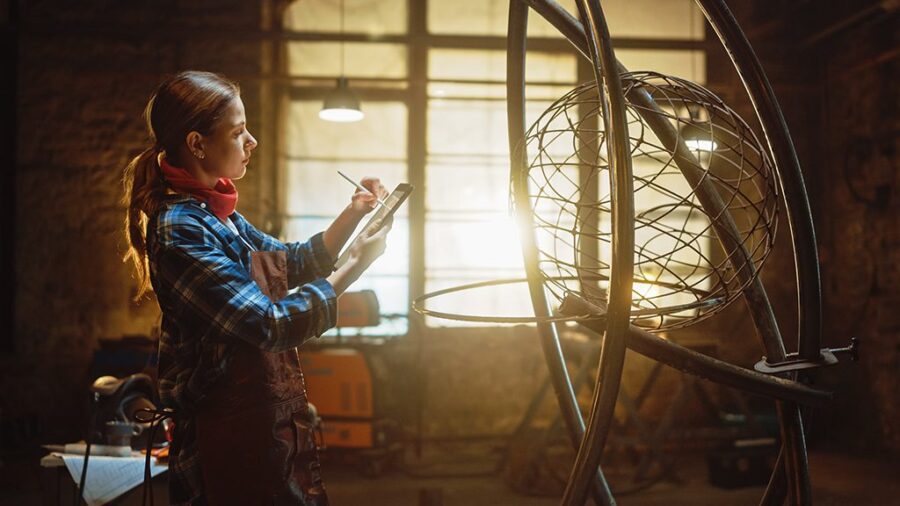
(469, 235)
(314, 151)
(392, 49)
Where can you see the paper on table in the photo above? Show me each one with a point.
(108, 477)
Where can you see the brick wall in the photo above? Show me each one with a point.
(858, 198)
(835, 80)
(86, 70)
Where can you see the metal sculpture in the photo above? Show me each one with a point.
(682, 282)
(623, 269)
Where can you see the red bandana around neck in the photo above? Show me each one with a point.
(221, 199)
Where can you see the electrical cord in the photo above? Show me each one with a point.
(87, 453)
(155, 417)
(87, 449)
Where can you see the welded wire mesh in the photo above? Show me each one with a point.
(682, 272)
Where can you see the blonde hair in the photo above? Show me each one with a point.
(186, 102)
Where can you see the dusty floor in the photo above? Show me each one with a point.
(837, 480)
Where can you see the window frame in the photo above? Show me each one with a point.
(415, 96)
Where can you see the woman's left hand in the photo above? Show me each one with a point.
(364, 202)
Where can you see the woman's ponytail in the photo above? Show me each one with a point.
(144, 193)
(186, 102)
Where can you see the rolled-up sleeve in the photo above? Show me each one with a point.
(208, 290)
(306, 261)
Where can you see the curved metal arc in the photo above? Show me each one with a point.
(612, 352)
(757, 300)
(758, 303)
(418, 303)
(692, 362)
(792, 430)
(784, 156)
(562, 386)
(800, 225)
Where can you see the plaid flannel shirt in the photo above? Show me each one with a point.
(200, 272)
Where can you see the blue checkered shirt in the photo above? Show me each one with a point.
(200, 271)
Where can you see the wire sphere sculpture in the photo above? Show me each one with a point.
(683, 272)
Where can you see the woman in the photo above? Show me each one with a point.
(235, 302)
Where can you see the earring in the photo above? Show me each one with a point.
(200, 155)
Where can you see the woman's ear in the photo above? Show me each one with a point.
(194, 142)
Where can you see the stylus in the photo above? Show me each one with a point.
(361, 187)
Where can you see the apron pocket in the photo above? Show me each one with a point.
(306, 469)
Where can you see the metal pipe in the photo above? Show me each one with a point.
(787, 164)
(806, 260)
(565, 395)
(618, 316)
(757, 300)
(683, 359)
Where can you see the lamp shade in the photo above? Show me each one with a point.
(341, 104)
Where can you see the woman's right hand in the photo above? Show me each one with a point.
(362, 254)
(369, 248)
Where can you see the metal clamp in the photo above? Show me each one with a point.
(793, 362)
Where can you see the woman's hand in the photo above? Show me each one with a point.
(362, 254)
(364, 202)
(369, 248)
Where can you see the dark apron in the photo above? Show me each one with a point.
(257, 444)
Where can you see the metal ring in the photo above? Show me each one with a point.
(418, 305)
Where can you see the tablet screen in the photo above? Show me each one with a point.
(382, 213)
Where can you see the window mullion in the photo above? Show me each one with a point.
(416, 149)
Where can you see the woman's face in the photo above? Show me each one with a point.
(227, 149)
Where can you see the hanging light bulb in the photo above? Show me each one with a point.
(695, 137)
(341, 104)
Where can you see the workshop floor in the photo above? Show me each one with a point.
(837, 480)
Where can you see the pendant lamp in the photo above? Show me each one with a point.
(341, 104)
(695, 137)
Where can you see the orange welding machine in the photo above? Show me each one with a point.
(339, 383)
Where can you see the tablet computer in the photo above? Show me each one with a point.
(382, 213)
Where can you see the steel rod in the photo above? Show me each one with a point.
(696, 363)
(757, 300)
(784, 156)
(618, 317)
(800, 224)
(562, 386)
